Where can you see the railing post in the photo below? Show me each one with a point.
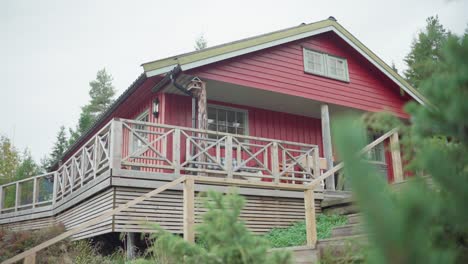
(35, 192)
(228, 157)
(1, 199)
(189, 210)
(17, 196)
(396, 157)
(31, 259)
(275, 162)
(327, 145)
(176, 151)
(311, 228)
(54, 191)
(315, 162)
(115, 144)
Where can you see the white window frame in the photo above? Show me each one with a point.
(325, 64)
(377, 152)
(228, 108)
(134, 141)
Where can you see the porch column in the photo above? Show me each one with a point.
(198, 88)
(327, 145)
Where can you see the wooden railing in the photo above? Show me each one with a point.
(29, 193)
(90, 161)
(396, 158)
(180, 150)
(141, 146)
(189, 181)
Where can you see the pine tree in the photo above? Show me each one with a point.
(394, 68)
(424, 222)
(201, 43)
(425, 52)
(60, 146)
(9, 160)
(28, 167)
(101, 93)
(222, 238)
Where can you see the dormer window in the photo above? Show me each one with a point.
(325, 65)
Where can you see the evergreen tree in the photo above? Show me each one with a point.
(394, 68)
(59, 148)
(28, 167)
(101, 93)
(425, 221)
(201, 43)
(222, 238)
(9, 160)
(425, 52)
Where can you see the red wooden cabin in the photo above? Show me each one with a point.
(270, 99)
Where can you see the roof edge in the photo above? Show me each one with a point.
(217, 53)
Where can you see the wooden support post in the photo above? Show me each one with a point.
(1, 199)
(228, 157)
(54, 191)
(31, 259)
(198, 88)
(35, 192)
(176, 151)
(130, 246)
(17, 196)
(396, 158)
(275, 162)
(327, 145)
(115, 144)
(189, 210)
(311, 229)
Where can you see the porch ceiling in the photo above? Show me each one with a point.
(248, 96)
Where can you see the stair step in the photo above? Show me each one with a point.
(354, 218)
(347, 230)
(301, 254)
(337, 247)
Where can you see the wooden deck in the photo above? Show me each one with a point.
(127, 158)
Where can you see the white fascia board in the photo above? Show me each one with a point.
(415, 97)
(160, 70)
(232, 54)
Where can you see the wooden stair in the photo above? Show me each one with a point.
(344, 239)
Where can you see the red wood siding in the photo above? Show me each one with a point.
(262, 123)
(281, 69)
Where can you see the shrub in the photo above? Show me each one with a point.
(223, 239)
(295, 235)
(65, 251)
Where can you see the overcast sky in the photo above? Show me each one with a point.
(50, 50)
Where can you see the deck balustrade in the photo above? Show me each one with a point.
(166, 150)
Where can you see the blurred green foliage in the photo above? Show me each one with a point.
(426, 221)
(221, 238)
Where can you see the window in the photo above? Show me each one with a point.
(377, 153)
(325, 65)
(227, 120)
(136, 142)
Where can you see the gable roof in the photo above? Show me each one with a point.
(214, 54)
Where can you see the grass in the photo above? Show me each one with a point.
(295, 235)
